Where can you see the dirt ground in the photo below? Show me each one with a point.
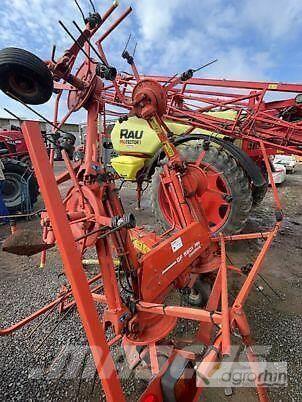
(29, 369)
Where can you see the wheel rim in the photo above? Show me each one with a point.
(11, 190)
(22, 85)
(217, 210)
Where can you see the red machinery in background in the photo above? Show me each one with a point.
(20, 189)
(12, 145)
(91, 216)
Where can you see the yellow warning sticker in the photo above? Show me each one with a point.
(168, 149)
(140, 246)
(272, 86)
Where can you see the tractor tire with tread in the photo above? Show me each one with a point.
(260, 192)
(15, 173)
(25, 76)
(236, 179)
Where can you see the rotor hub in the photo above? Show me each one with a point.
(149, 98)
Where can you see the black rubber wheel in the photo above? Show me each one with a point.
(233, 176)
(69, 149)
(24, 76)
(67, 143)
(17, 176)
(260, 192)
(26, 159)
(68, 136)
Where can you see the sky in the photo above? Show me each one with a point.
(252, 39)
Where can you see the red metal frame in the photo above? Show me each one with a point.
(189, 102)
(71, 258)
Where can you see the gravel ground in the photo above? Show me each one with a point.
(61, 367)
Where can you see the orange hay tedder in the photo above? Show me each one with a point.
(91, 216)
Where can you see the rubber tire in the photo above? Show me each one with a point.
(14, 169)
(260, 192)
(69, 136)
(26, 159)
(21, 63)
(234, 176)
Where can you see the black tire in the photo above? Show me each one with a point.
(235, 177)
(260, 192)
(13, 191)
(26, 159)
(68, 136)
(67, 143)
(25, 76)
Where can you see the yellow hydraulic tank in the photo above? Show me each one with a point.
(127, 166)
(134, 135)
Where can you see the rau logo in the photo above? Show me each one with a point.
(131, 134)
(131, 137)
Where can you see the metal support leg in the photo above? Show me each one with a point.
(72, 262)
(261, 389)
